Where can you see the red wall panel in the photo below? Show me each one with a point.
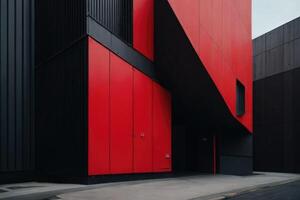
(224, 45)
(98, 109)
(161, 129)
(143, 27)
(125, 108)
(121, 116)
(142, 123)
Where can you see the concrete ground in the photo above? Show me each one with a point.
(289, 191)
(178, 188)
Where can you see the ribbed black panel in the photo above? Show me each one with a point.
(16, 88)
(61, 130)
(276, 122)
(59, 23)
(115, 15)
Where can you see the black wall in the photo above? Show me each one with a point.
(277, 99)
(61, 89)
(61, 115)
(16, 96)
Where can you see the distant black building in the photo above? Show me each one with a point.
(277, 99)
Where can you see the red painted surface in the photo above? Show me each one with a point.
(121, 116)
(220, 32)
(143, 27)
(142, 123)
(98, 109)
(129, 117)
(161, 129)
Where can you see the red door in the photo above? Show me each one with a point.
(142, 123)
(161, 129)
(121, 117)
(98, 109)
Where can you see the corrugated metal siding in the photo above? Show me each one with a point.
(276, 99)
(276, 51)
(61, 130)
(115, 15)
(16, 134)
(59, 23)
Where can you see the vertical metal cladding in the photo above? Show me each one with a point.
(276, 99)
(59, 24)
(60, 114)
(16, 93)
(60, 76)
(115, 15)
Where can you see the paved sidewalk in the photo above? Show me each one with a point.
(180, 188)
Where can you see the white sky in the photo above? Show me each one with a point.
(269, 14)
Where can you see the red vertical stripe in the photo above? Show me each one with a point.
(142, 109)
(162, 155)
(121, 116)
(98, 109)
(143, 27)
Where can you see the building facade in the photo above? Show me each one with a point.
(17, 151)
(136, 87)
(276, 99)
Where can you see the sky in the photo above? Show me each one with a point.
(269, 14)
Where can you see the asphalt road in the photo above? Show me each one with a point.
(290, 191)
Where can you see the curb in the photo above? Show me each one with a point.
(238, 192)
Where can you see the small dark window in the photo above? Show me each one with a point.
(240, 98)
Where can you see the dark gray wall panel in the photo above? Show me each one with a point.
(29, 57)
(274, 62)
(282, 49)
(288, 97)
(296, 95)
(259, 66)
(289, 30)
(259, 45)
(296, 28)
(273, 102)
(236, 145)
(245, 165)
(276, 122)
(11, 85)
(4, 67)
(296, 53)
(258, 102)
(288, 59)
(16, 135)
(18, 86)
(275, 38)
(276, 100)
